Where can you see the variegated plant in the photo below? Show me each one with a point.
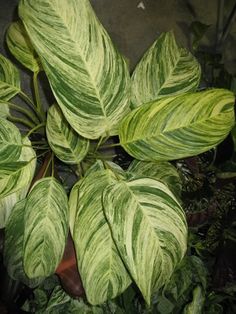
(127, 225)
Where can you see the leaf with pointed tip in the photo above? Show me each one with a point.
(9, 79)
(13, 247)
(88, 76)
(197, 304)
(102, 271)
(10, 141)
(20, 46)
(178, 127)
(164, 70)
(46, 227)
(163, 171)
(4, 109)
(19, 174)
(149, 228)
(67, 145)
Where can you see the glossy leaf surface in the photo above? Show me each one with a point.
(68, 145)
(9, 79)
(149, 228)
(20, 46)
(164, 70)
(89, 78)
(178, 127)
(102, 271)
(46, 227)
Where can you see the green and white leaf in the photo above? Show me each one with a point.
(67, 145)
(197, 304)
(10, 141)
(15, 186)
(178, 127)
(89, 78)
(4, 109)
(163, 171)
(9, 79)
(20, 46)
(164, 70)
(46, 228)
(17, 175)
(149, 228)
(103, 273)
(13, 247)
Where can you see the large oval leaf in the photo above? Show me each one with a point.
(10, 141)
(68, 146)
(9, 79)
(164, 70)
(13, 246)
(102, 271)
(89, 78)
(46, 228)
(163, 171)
(20, 46)
(149, 228)
(178, 127)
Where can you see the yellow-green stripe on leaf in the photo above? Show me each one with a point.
(67, 145)
(164, 70)
(10, 141)
(20, 46)
(88, 76)
(46, 227)
(162, 171)
(103, 273)
(178, 127)
(4, 109)
(9, 79)
(13, 246)
(149, 228)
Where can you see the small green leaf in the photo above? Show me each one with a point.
(68, 145)
(162, 171)
(20, 46)
(178, 127)
(102, 271)
(149, 228)
(10, 142)
(9, 79)
(46, 228)
(164, 70)
(13, 247)
(198, 30)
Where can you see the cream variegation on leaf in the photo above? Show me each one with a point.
(149, 228)
(103, 273)
(164, 70)
(178, 127)
(88, 76)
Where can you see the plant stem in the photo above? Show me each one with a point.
(30, 103)
(37, 96)
(39, 126)
(21, 121)
(110, 145)
(52, 162)
(26, 112)
(48, 164)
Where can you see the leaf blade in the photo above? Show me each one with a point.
(102, 271)
(46, 228)
(68, 146)
(149, 228)
(164, 70)
(178, 127)
(89, 78)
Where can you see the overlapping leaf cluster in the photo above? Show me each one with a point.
(126, 225)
